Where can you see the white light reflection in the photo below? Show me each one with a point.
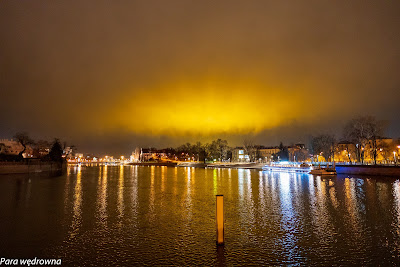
(246, 204)
(102, 198)
(333, 194)
(240, 182)
(261, 192)
(248, 181)
(321, 222)
(187, 169)
(77, 216)
(396, 208)
(396, 203)
(135, 203)
(289, 222)
(351, 206)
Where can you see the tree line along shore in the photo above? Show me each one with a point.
(362, 142)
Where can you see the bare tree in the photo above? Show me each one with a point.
(250, 149)
(219, 149)
(24, 140)
(350, 150)
(301, 155)
(223, 149)
(386, 150)
(325, 144)
(198, 149)
(363, 131)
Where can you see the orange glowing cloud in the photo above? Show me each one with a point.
(205, 110)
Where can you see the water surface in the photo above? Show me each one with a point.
(127, 215)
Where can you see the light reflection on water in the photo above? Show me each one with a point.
(396, 222)
(215, 180)
(124, 215)
(120, 204)
(188, 201)
(77, 217)
(134, 197)
(101, 208)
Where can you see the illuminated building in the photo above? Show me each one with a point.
(12, 147)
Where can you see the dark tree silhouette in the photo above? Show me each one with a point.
(56, 151)
(325, 144)
(24, 140)
(283, 153)
(362, 131)
(250, 149)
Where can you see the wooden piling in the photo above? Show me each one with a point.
(220, 219)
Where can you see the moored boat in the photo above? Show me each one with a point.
(288, 167)
(323, 171)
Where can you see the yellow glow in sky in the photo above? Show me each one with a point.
(190, 110)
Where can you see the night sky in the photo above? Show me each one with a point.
(108, 76)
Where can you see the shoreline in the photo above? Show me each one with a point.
(372, 170)
(29, 168)
(203, 165)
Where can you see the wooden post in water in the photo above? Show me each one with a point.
(220, 219)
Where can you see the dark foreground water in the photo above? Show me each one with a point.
(166, 216)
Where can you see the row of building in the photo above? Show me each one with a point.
(239, 154)
(265, 154)
(387, 150)
(13, 147)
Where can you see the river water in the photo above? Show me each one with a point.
(130, 215)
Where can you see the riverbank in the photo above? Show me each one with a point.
(167, 164)
(376, 170)
(231, 165)
(27, 168)
(241, 165)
